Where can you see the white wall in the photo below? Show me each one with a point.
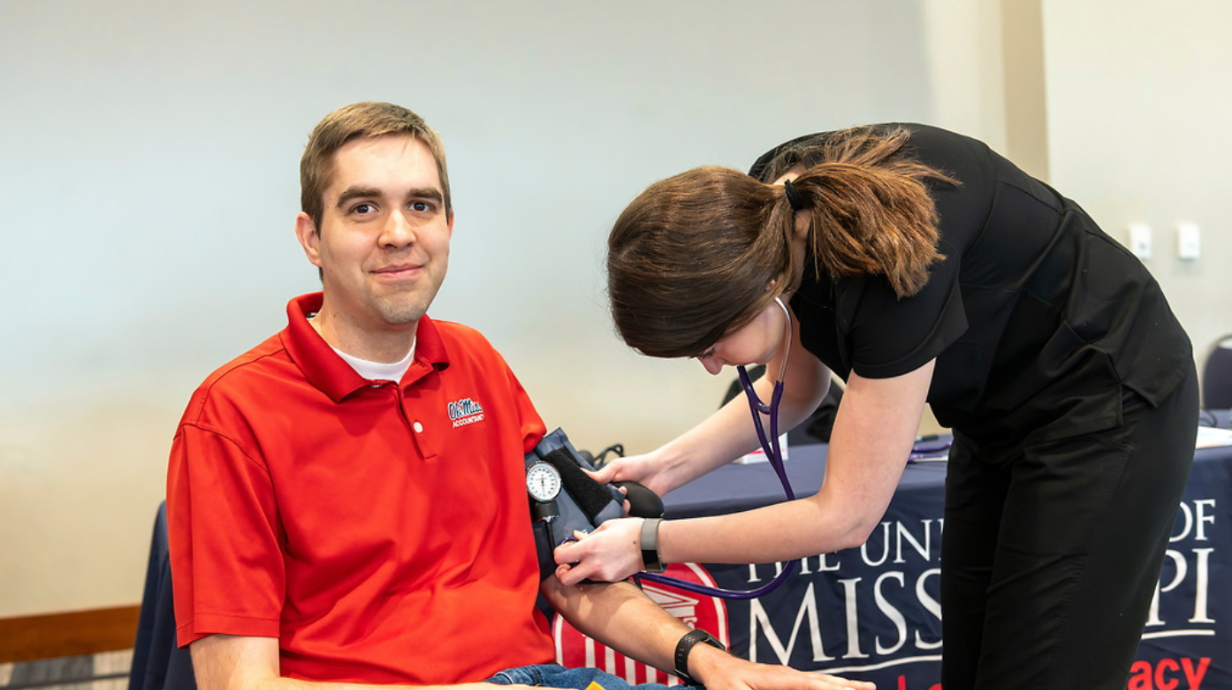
(148, 181)
(1139, 104)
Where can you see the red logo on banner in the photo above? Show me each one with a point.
(573, 649)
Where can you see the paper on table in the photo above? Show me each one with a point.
(759, 455)
(1209, 437)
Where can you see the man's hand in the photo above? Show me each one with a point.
(719, 670)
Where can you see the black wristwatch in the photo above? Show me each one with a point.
(685, 645)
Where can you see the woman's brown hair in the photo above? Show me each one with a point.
(698, 255)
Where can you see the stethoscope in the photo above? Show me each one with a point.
(774, 454)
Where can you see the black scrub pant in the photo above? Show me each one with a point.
(1051, 553)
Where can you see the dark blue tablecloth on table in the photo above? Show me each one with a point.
(872, 613)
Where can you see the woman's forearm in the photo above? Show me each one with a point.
(729, 432)
(872, 438)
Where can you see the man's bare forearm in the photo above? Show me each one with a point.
(619, 616)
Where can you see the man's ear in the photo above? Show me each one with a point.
(309, 238)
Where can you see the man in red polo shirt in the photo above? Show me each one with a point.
(347, 501)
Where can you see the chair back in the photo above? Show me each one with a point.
(1217, 376)
(158, 663)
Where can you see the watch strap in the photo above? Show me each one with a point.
(685, 645)
(650, 545)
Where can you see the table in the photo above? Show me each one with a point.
(872, 613)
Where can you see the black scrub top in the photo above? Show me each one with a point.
(1038, 321)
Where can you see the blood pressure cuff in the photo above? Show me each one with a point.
(582, 505)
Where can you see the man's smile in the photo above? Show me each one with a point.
(400, 271)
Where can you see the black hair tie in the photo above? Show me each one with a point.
(793, 197)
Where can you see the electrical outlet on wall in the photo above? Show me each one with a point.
(1188, 241)
(1140, 240)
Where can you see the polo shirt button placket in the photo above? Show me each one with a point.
(418, 438)
(414, 426)
(397, 398)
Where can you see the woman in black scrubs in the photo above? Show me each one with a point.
(920, 266)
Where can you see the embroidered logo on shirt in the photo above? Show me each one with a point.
(465, 411)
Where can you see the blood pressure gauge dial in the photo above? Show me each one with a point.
(543, 483)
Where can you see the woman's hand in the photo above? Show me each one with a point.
(611, 553)
(650, 470)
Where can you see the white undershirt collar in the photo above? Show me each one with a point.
(380, 371)
(373, 371)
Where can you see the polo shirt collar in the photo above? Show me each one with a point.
(325, 370)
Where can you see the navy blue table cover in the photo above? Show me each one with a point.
(872, 613)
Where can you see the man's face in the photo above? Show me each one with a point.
(383, 244)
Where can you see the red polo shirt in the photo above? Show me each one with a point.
(379, 530)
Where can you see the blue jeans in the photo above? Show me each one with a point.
(553, 676)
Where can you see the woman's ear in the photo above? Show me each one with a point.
(802, 221)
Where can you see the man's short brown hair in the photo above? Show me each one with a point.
(366, 119)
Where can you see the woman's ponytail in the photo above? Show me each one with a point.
(871, 211)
